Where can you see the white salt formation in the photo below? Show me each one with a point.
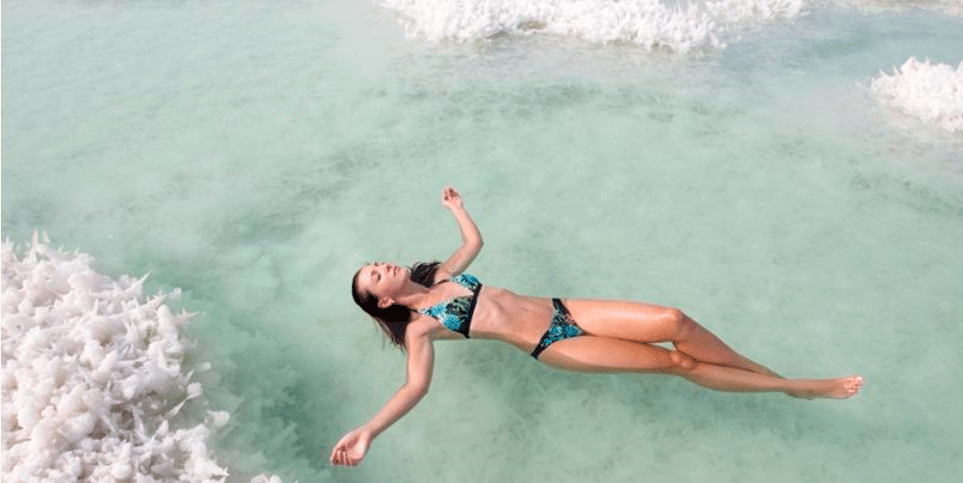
(932, 93)
(951, 7)
(94, 377)
(648, 23)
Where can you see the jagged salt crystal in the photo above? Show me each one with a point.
(93, 353)
(28, 414)
(647, 23)
(10, 300)
(194, 390)
(120, 470)
(78, 427)
(130, 387)
(73, 402)
(219, 418)
(932, 93)
(88, 367)
(155, 302)
(105, 369)
(25, 306)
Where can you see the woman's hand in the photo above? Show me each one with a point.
(451, 199)
(352, 448)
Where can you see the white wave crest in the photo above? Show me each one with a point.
(94, 377)
(932, 93)
(648, 23)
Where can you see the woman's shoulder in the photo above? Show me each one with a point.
(425, 326)
(419, 326)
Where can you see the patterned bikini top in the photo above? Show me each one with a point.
(456, 313)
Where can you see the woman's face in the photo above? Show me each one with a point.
(383, 280)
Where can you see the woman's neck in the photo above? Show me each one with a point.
(412, 294)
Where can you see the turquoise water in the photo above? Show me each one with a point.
(256, 153)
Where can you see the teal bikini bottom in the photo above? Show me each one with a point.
(563, 327)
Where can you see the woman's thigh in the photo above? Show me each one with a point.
(588, 353)
(634, 321)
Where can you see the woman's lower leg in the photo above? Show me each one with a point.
(724, 378)
(703, 345)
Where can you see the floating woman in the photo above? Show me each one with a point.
(436, 300)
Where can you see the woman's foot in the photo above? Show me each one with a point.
(839, 388)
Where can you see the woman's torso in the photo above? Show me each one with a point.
(498, 314)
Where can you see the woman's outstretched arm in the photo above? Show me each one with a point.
(353, 446)
(470, 236)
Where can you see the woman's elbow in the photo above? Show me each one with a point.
(419, 388)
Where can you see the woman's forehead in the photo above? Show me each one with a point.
(364, 274)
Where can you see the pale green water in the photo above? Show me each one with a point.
(255, 155)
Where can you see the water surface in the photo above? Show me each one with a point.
(255, 154)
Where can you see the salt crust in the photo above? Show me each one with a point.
(932, 93)
(94, 379)
(950, 7)
(648, 23)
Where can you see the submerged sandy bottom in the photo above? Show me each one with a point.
(255, 155)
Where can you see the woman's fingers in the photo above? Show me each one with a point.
(338, 455)
(450, 197)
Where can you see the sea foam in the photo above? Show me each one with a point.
(930, 92)
(95, 380)
(647, 23)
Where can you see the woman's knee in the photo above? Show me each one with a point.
(681, 362)
(682, 326)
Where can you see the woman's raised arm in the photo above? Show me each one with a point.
(353, 446)
(470, 236)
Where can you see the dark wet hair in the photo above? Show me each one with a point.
(395, 318)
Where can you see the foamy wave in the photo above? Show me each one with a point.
(648, 23)
(931, 92)
(94, 378)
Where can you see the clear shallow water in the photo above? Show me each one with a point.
(255, 154)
